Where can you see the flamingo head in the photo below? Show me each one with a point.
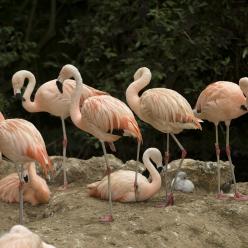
(243, 84)
(18, 80)
(68, 71)
(155, 155)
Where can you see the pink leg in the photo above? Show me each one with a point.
(65, 186)
(237, 196)
(136, 173)
(109, 217)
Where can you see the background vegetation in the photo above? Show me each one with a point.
(187, 44)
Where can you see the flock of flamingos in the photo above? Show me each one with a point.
(98, 113)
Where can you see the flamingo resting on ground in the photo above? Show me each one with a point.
(99, 116)
(21, 142)
(223, 101)
(181, 183)
(21, 237)
(35, 189)
(164, 109)
(48, 99)
(122, 189)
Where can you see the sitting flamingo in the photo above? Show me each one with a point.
(20, 237)
(122, 189)
(35, 189)
(182, 183)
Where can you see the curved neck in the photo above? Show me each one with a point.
(31, 171)
(27, 103)
(142, 78)
(156, 178)
(79, 92)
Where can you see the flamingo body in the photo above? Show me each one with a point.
(220, 101)
(122, 189)
(35, 189)
(21, 142)
(167, 111)
(20, 237)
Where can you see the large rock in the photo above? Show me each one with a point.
(202, 174)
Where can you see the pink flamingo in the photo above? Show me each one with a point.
(164, 109)
(19, 237)
(35, 189)
(48, 99)
(21, 142)
(223, 101)
(99, 116)
(122, 189)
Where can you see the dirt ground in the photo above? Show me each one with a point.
(197, 219)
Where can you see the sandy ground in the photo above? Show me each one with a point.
(196, 220)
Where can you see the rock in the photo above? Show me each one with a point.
(202, 174)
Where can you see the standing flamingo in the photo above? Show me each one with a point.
(164, 109)
(99, 116)
(122, 189)
(35, 189)
(19, 237)
(223, 101)
(21, 142)
(48, 99)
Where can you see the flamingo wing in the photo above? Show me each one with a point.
(9, 188)
(105, 113)
(21, 142)
(167, 110)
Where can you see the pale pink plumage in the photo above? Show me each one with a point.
(35, 190)
(99, 116)
(21, 142)
(223, 101)
(48, 99)
(164, 109)
(21, 237)
(122, 182)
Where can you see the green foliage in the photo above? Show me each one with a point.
(187, 44)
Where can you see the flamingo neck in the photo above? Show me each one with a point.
(31, 171)
(80, 93)
(156, 178)
(27, 103)
(142, 78)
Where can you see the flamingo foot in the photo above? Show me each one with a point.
(221, 196)
(64, 187)
(169, 201)
(240, 197)
(106, 218)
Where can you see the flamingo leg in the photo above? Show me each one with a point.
(164, 171)
(237, 196)
(65, 186)
(220, 195)
(108, 217)
(136, 173)
(20, 175)
(170, 198)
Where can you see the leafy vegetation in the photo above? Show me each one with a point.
(187, 44)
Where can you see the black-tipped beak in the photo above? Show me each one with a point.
(19, 97)
(59, 86)
(243, 107)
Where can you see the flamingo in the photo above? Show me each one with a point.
(19, 237)
(21, 142)
(99, 116)
(122, 189)
(35, 189)
(48, 99)
(164, 109)
(223, 101)
(181, 183)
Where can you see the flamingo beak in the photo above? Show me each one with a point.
(19, 97)
(59, 86)
(243, 107)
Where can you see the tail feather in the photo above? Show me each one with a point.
(130, 126)
(39, 154)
